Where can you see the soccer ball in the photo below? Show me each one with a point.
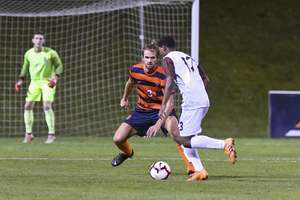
(160, 170)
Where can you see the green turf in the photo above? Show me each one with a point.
(79, 168)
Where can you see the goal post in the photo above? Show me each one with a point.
(195, 30)
(97, 41)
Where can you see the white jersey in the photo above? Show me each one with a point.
(188, 79)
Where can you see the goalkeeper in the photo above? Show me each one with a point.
(40, 62)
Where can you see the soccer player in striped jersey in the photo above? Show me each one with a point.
(40, 62)
(150, 80)
(193, 85)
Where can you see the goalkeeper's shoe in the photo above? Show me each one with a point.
(229, 149)
(118, 160)
(28, 137)
(199, 175)
(50, 139)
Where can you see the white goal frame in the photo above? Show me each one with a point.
(97, 41)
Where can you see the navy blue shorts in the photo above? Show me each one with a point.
(141, 120)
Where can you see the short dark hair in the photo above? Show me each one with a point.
(38, 32)
(167, 41)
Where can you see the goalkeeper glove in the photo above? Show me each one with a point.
(18, 84)
(53, 81)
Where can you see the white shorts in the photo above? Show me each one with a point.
(190, 121)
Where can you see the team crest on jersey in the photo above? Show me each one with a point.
(45, 59)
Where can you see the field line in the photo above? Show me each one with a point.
(289, 160)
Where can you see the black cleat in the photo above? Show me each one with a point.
(118, 160)
(190, 173)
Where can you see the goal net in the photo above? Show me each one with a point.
(97, 41)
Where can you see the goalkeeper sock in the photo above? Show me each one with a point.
(50, 119)
(187, 162)
(125, 147)
(28, 119)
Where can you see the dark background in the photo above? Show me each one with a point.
(246, 48)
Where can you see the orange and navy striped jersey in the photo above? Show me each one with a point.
(150, 87)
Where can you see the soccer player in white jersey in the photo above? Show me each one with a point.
(193, 85)
(40, 62)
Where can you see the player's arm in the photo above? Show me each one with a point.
(168, 91)
(204, 77)
(127, 90)
(170, 74)
(59, 68)
(154, 129)
(23, 73)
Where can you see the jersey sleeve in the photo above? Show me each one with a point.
(131, 76)
(25, 67)
(168, 66)
(57, 63)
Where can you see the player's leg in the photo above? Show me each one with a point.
(171, 125)
(189, 126)
(28, 120)
(50, 120)
(121, 136)
(33, 94)
(200, 172)
(120, 139)
(192, 154)
(48, 98)
(202, 141)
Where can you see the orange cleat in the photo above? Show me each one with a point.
(199, 175)
(229, 149)
(190, 169)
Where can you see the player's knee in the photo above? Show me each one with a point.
(175, 139)
(47, 107)
(118, 140)
(115, 139)
(185, 141)
(28, 106)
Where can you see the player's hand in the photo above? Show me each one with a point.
(52, 81)
(162, 113)
(124, 104)
(153, 130)
(18, 84)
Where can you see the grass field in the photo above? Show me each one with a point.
(79, 168)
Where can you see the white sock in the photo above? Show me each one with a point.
(193, 157)
(202, 141)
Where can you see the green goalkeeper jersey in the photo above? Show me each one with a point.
(41, 66)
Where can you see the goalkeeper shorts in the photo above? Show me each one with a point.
(37, 88)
